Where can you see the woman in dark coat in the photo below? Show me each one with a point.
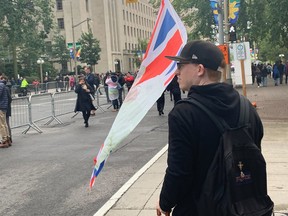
(84, 102)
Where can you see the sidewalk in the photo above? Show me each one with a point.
(141, 198)
(138, 197)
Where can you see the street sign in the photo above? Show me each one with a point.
(224, 48)
(70, 45)
(240, 51)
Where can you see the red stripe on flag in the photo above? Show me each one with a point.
(160, 63)
(153, 33)
(170, 78)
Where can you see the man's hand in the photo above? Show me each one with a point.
(160, 212)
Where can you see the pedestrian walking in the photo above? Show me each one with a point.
(90, 79)
(276, 74)
(106, 86)
(121, 82)
(173, 87)
(193, 137)
(84, 99)
(160, 104)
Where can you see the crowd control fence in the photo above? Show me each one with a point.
(28, 111)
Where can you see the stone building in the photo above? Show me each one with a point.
(117, 25)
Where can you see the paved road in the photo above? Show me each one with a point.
(49, 173)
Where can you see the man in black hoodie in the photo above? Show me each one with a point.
(193, 137)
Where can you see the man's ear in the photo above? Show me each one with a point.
(201, 70)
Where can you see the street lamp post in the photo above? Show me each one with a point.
(73, 38)
(281, 57)
(40, 61)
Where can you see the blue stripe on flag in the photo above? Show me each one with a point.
(96, 172)
(172, 69)
(167, 25)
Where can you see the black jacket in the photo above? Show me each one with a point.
(193, 141)
(84, 101)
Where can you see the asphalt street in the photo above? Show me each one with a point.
(49, 173)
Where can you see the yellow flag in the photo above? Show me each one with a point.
(131, 1)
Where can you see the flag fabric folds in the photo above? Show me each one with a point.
(234, 6)
(168, 38)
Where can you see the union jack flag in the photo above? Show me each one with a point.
(168, 38)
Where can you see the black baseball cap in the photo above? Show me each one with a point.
(201, 52)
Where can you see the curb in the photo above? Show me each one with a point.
(109, 204)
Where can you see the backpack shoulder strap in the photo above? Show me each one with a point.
(244, 111)
(219, 122)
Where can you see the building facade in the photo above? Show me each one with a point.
(117, 25)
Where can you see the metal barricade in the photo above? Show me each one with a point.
(42, 108)
(100, 94)
(22, 114)
(63, 102)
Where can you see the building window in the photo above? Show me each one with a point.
(60, 23)
(59, 4)
(124, 29)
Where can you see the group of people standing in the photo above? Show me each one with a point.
(280, 69)
(5, 113)
(261, 72)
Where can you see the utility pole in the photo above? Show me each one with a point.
(226, 22)
(220, 22)
(74, 45)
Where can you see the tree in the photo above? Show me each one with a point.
(277, 20)
(23, 21)
(90, 48)
(60, 52)
(138, 52)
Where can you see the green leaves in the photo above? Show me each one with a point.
(90, 48)
(24, 25)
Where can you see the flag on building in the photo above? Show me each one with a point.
(168, 38)
(131, 1)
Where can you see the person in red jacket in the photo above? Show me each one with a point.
(129, 80)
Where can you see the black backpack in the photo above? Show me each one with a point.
(236, 183)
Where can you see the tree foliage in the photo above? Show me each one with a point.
(138, 52)
(90, 48)
(24, 25)
(60, 52)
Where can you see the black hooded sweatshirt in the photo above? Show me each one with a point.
(193, 141)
